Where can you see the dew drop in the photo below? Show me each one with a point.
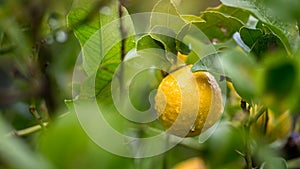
(61, 36)
(215, 41)
(224, 30)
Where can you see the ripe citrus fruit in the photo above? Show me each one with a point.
(181, 56)
(192, 163)
(188, 103)
(271, 128)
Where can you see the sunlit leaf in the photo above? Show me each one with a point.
(165, 14)
(101, 49)
(192, 18)
(237, 13)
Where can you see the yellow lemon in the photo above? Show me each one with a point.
(271, 128)
(182, 57)
(192, 163)
(188, 103)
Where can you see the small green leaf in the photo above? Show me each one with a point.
(166, 36)
(191, 18)
(250, 36)
(147, 42)
(218, 27)
(275, 163)
(237, 13)
(267, 43)
(192, 41)
(165, 14)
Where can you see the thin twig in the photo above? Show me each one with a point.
(123, 52)
(122, 31)
(26, 131)
(36, 115)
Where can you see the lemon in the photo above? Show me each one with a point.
(188, 103)
(182, 57)
(270, 127)
(192, 163)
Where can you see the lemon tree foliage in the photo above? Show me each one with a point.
(223, 84)
(101, 49)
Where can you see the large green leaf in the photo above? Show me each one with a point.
(235, 64)
(165, 14)
(278, 82)
(100, 38)
(237, 13)
(287, 31)
(218, 27)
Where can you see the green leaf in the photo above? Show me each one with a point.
(218, 27)
(192, 41)
(191, 18)
(147, 42)
(287, 31)
(166, 36)
(139, 91)
(275, 163)
(241, 69)
(268, 43)
(237, 13)
(211, 63)
(278, 81)
(250, 36)
(236, 65)
(99, 44)
(100, 38)
(165, 14)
